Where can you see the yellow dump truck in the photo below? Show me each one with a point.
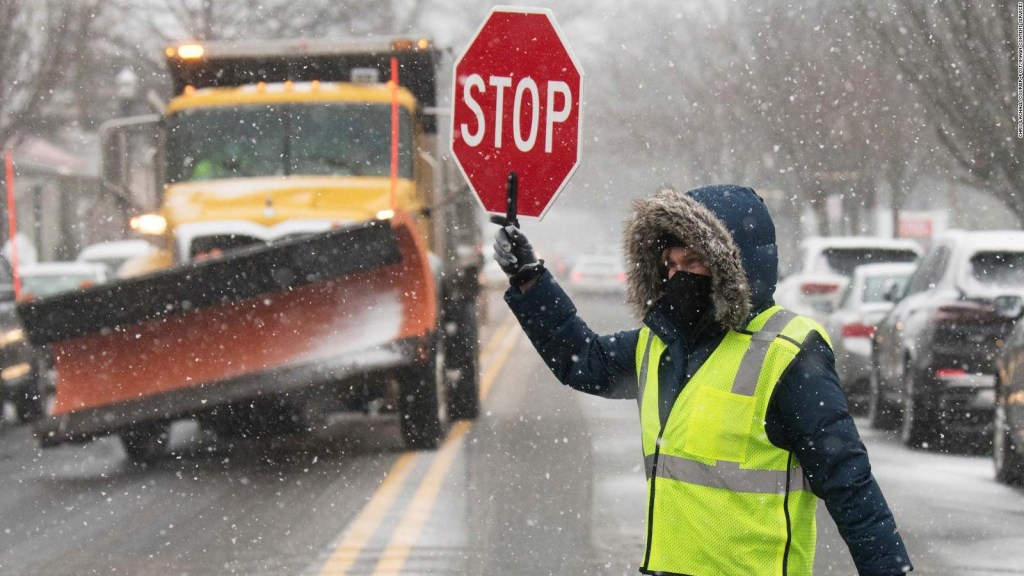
(317, 255)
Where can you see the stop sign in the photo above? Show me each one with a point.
(517, 109)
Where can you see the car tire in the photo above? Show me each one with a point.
(26, 408)
(881, 415)
(462, 350)
(1006, 453)
(920, 426)
(37, 402)
(422, 406)
(146, 443)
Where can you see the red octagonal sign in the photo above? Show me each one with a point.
(517, 109)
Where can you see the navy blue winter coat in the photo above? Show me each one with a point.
(807, 414)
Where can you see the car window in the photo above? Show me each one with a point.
(844, 260)
(998, 268)
(598, 266)
(876, 286)
(930, 271)
(49, 285)
(597, 263)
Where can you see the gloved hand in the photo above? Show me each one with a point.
(515, 255)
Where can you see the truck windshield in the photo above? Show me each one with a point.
(334, 139)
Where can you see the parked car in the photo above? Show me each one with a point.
(115, 253)
(1008, 421)
(934, 369)
(827, 264)
(26, 371)
(864, 303)
(598, 274)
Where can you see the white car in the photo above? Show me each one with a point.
(598, 274)
(827, 265)
(867, 299)
(114, 253)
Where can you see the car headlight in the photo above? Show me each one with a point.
(11, 337)
(16, 371)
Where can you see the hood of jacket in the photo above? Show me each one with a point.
(728, 224)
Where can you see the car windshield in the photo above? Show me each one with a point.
(998, 268)
(844, 260)
(337, 139)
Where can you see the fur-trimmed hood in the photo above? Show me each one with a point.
(729, 225)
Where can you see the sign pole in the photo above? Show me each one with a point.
(512, 193)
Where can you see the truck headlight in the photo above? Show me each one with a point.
(151, 224)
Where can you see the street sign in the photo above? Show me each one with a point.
(517, 110)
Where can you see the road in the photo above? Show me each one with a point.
(546, 481)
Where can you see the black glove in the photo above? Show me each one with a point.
(514, 254)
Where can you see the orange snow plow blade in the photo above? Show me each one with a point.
(252, 324)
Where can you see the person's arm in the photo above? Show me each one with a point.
(808, 415)
(578, 356)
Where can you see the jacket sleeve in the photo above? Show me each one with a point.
(579, 357)
(808, 415)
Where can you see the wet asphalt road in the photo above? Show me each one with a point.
(547, 481)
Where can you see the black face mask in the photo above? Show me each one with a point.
(690, 297)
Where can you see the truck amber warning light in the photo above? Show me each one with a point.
(190, 51)
(149, 224)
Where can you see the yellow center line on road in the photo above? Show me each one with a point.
(366, 523)
(416, 515)
(409, 527)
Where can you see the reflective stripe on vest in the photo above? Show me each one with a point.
(727, 475)
(715, 482)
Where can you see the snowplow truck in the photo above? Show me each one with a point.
(316, 255)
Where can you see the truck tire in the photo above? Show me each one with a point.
(146, 443)
(462, 360)
(422, 406)
(1006, 453)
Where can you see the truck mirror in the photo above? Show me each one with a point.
(128, 174)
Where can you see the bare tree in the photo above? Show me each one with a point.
(959, 55)
(42, 46)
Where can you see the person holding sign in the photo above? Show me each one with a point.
(743, 420)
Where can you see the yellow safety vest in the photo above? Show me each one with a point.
(722, 499)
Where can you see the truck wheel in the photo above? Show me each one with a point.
(920, 425)
(462, 359)
(146, 443)
(1006, 453)
(881, 415)
(422, 406)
